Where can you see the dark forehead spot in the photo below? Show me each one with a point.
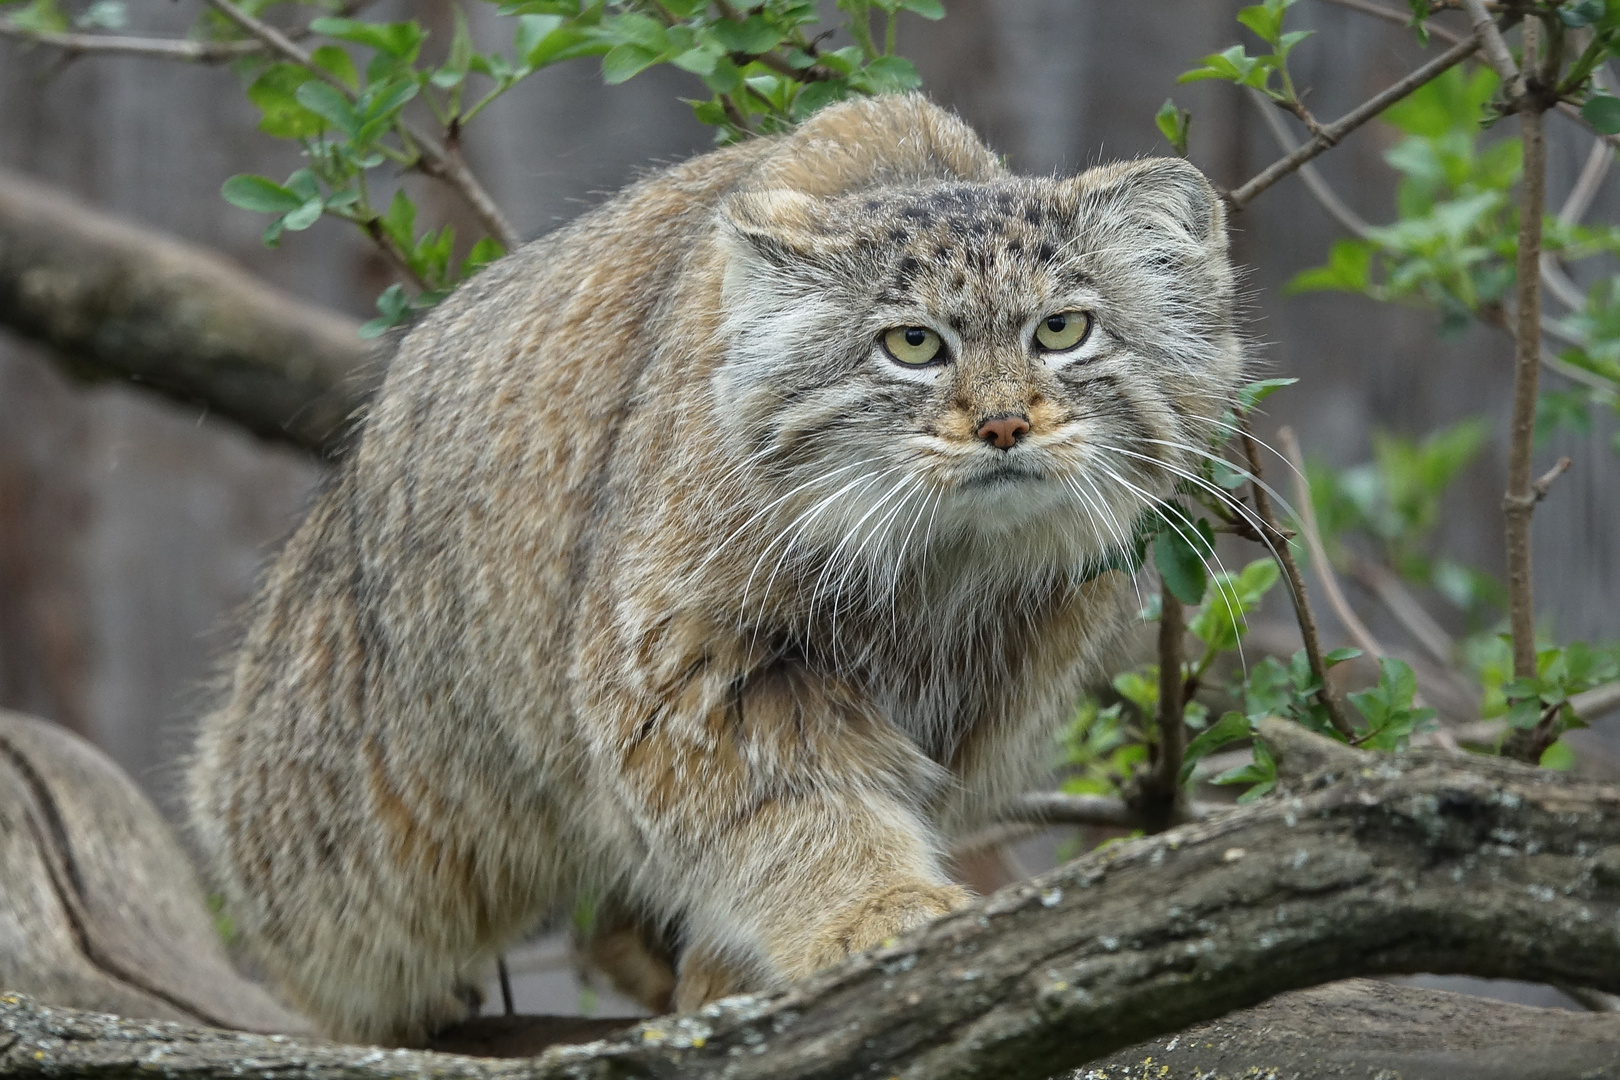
(905, 273)
(898, 236)
(1047, 251)
(1015, 246)
(941, 251)
(1034, 213)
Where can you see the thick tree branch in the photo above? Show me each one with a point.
(1331, 134)
(115, 300)
(1371, 865)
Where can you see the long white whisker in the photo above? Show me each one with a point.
(1281, 499)
(1228, 592)
(804, 518)
(1239, 432)
(773, 504)
(1100, 513)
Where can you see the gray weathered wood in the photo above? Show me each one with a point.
(99, 908)
(1370, 864)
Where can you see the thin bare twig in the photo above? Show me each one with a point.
(1491, 43)
(1348, 219)
(1162, 790)
(1593, 703)
(204, 52)
(1348, 618)
(1586, 186)
(1568, 109)
(1331, 134)
(1399, 602)
(1518, 504)
(434, 160)
(1284, 555)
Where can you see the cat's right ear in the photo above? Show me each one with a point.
(783, 227)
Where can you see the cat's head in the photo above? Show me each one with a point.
(1028, 362)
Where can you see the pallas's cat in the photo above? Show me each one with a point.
(721, 554)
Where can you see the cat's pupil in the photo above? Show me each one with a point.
(1056, 323)
(916, 336)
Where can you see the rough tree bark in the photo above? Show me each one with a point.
(114, 300)
(1368, 865)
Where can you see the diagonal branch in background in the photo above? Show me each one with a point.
(1368, 865)
(204, 52)
(1331, 134)
(111, 299)
(1277, 542)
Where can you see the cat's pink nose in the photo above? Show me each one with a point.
(1003, 432)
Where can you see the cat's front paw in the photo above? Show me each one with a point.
(884, 915)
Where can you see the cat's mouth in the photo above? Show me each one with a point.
(1003, 472)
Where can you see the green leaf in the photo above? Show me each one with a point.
(1181, 565)
(1349, 269)
(1228, 729)
(259, 193)
(1173, 122)
(1265, 20)
(532, 31)
(818, 95)
(1559, 757)
(699, 62)
(329, 104)
(1255, 392)
(636, 29)
(887, 75)
(1339, 656)
(41, 17)
(1234, 65)
(303, 217)
(1581, 13)
(461, 44)
(393, 305)
(382, 103)
(274, 92)
(624, 62)
(335, 60)
(1603, 112)
(401, 40)
(486, 251)
(753, 36)
(400, 220)
(928, 9)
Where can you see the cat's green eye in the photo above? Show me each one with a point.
(913, 345)
(1063, 331)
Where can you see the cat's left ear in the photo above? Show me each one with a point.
(781, 226)
(1163, 195)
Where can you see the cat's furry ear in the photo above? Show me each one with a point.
(781, 226)
(1166, 195)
